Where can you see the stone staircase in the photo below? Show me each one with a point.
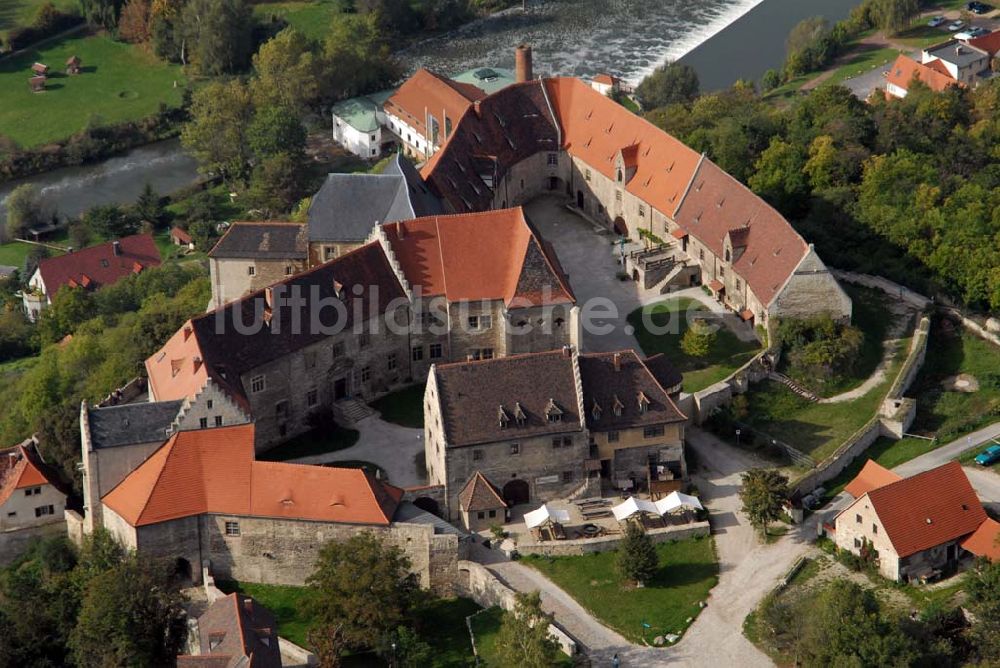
(351, 411)
(793, 386)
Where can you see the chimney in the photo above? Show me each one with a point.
(617, 359)
(248, 605)
(401, 229)
(522, 67)
(567, 351)
(116, 246)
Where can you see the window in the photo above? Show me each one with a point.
(738, 285)
(338, 349)
(567, 476)
(728, 256)
(493, 513)
(232, 528)
(586, 175)
(857, 518)
(435, 351)
(312, 397)
(203, 423)
(251, 270)
(29, 492)
(477, 455)
(515, 448)
(642, 211)
(257, 384)
(373, 137)
(481, 354)
(555, 417)
(281, 409)
(12, 514)
(42, 511)
(701, 254)
(653, 432)
(621, 177)
(364, 340)
(104, 263)
(618, 195)
(857, 542)
(366, 374)
(553, 159)
(612, 437)
(556, 443)
(209, 404)
(218, 420)
(288, 270)
(874, 528)
(567, 441)
(390, 362)
(481, 515)
(329, 252)
(480, 321)
(417, 353)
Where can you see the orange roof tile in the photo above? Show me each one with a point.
(872, 476)
(20, 467)
(172, 372)
(99, 264)
(928, 509)
(213, 471)
(905, 69)
(480, 494)
(488, 255)
(428, 93)
(985, 541)
(606, 79)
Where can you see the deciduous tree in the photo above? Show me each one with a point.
(669, 83)
(216, 36)
(983, 589)
(102, 13)
(894, 16)
(524, 640)
(216, 134)
(763, 495)
(135, 23)
(698, 339)
(24, 209)
(111, 221)
(287, 73)
(276, 130)
(276, 185)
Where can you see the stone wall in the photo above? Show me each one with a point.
(812, 289)
(564, 548)
(14, 542)
(914, 299)
(231, 278)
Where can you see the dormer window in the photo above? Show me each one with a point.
(617, 406)
(519, 415)
(596, 410)
(552, 412)
(504, 418)
(643, 402)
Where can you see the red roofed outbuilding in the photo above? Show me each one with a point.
(30, 491)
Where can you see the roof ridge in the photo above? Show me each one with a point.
(505, 358)
(145, 504)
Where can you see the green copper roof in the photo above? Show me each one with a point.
(358, 112)
(489, 79)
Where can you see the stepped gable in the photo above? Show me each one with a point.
(212, 345)
(626, 384)
(499, 131)
(472, 393)
(765, 248)
(488, 255)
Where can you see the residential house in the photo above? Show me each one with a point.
(914, 527)
(560, 136)
(90, 268)
(202, 499)
(30, 492)
(962, 61)
(357, 125)
(535, 427)
(904, 71)
(605, 84)
(251, 256)
(235, 631)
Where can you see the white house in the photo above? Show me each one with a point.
(29, 494)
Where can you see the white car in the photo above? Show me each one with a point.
(964, 35)
(955, 26)
(936, 21)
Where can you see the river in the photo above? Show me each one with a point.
(627, 38)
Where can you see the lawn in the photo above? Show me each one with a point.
(313, 442)
(728, 352)
(21, 13)
(486, 627)
(688, 571)
(284, 601)
(404, 407)
(119, 82)
(312, 19)
(14, 254)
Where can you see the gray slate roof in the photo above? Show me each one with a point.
(262, 241)
(128, 424)
(349, 206)
(953, 51)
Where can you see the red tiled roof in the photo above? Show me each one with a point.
(488, 255)
(480, 494)
(20, 467)
(715, 285)
(872, 476)
(928, 509)
(214, 471)
(180, 235)
(984, 541)
(679, 233)
(429, 93)
(98, 265)
(989, 43)
(606, 79)
(905, 69)
(235, 631)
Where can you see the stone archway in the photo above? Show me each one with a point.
(182, 569)
(428, 504)
(516, 492)
(620, 226)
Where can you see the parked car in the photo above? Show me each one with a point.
(936, 21)
(989, 456)
(964, 35)
(979, 7)
(955, 26)
(979, 31)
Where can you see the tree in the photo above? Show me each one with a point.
(203, 234)
(637, 561)
(669, 83)
(111, 221)
(276, 130)
(524, 639)
(763, 495)
(276, 185)
(24, 210)
(805, 34)
(131, 614)
(779, 177)
(216, 35)
(135, 23)
(102, 13)
(215, 135)
(356, 58)
(894, 16)
(770, 80)
(149, 206)
(287, 72)
(983, 590)
(362, 591)
(698, 339)
(79, 234)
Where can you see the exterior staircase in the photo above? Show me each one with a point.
(351, 411)
(793, 386)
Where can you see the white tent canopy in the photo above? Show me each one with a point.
(631, 506)
(676, 500)
(542, 515)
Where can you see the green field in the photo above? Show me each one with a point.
(688, 571)
(728, 352)
(21, 13)
(310, 18)
(404, 407)
(119, 82)
(486, 627)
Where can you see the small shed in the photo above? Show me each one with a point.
(179, 237)
(37, 84)
(40, 69)
(73, 65)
